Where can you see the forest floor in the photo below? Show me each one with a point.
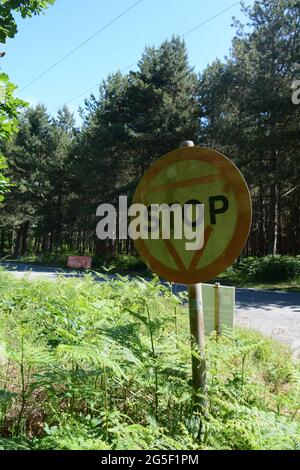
(274, 313)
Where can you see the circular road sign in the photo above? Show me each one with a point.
(208, 177)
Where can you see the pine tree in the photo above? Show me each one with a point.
(248, 113)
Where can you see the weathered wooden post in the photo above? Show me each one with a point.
(198, 344)
(197, 330)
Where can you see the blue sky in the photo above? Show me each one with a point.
(43, 40)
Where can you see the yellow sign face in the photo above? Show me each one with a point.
(196, 175)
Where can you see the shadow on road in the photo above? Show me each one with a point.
(258, 299)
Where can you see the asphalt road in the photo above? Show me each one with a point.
(275, 314)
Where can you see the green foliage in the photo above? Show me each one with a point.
(8, 28)
(9, 105)
(269, 268)
(123, 262)
(106, 365)
(39, 151)
(9, 108)
(4, 182)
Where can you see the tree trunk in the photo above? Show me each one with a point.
(276, 220)
(23, 248)
(17, 243)
(2, 241)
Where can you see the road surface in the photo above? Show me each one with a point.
(274, 313)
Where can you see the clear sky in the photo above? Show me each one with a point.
(44, 39)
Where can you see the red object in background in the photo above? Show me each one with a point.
(80, 262)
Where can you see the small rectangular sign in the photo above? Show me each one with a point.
(80, 262)
(226, 307)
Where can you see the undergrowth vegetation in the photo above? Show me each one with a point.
(266, 269)
(106, 365)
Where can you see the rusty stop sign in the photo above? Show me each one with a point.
(197, 175)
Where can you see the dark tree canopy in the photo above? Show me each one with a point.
(241, 105)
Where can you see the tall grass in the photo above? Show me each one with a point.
(106, 365)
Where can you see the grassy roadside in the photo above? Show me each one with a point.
(262, 276)
(287, 286)
(87, 365)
